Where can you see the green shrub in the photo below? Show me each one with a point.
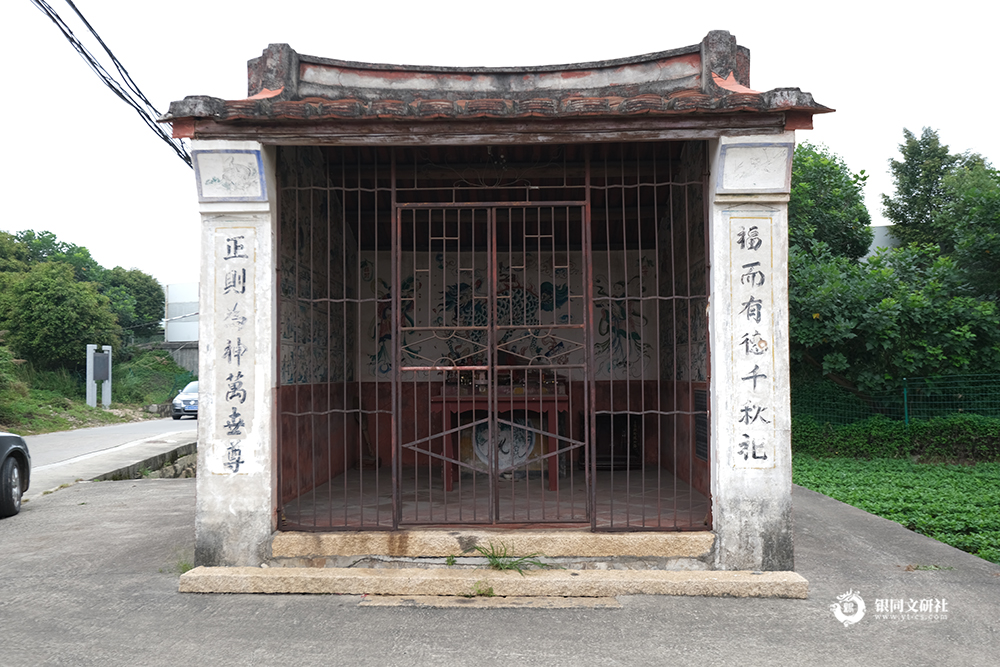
(962, 437)
(8, 374)
(59, 380)
(875, 437)
(965, 437)
(148, 377)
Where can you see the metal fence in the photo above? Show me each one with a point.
(917, 398)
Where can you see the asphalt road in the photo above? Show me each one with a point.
(55, 448)
(66, 456)
(88, 576)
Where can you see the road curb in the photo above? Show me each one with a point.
(151, 463)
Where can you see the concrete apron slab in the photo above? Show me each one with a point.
(448, 582)
(488, 602)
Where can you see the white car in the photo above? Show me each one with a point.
(186, 402)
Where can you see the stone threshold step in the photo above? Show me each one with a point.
(544, 583)
(443, 542)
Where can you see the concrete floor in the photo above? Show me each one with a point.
(647, 498)
(90, 574)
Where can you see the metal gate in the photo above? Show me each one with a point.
(491, 363)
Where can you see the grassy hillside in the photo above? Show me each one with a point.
(33, 401)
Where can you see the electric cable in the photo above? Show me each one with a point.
(126, 89)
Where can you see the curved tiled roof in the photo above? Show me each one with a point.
(707, 78)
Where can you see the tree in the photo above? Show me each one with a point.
(136, 298)
(51, 317)
(13, 255)
(827, 204)
(39, 246)
(973, 207)
(952, 201)
(920, 192)
(45, 247)
(147, 293)
(905, 312)
(122, 304)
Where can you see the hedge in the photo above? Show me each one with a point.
(961, 437)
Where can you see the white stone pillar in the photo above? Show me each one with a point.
(748, 325)
(236, 502)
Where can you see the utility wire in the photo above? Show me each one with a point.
(126, 89)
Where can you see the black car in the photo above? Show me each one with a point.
(15, 472)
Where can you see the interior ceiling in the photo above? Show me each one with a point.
(629, 184)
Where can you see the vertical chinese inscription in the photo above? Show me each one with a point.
(235, 349)
(752, 361)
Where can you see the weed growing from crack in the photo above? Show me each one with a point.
(480, 589)
(500, 557)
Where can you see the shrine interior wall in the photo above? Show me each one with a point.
(684, 326)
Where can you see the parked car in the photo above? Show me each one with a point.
(186, 402)
(15, 473)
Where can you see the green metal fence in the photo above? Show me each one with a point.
(918, 398)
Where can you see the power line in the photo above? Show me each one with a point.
(126, 88)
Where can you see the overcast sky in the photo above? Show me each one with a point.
(80, 163)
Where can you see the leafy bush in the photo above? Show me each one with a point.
(907, 312)
(955, 504)
(965, 437)
(148, 377)
(875, 437)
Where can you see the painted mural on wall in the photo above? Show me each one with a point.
(229, 175)
(623, 317)
(444, 309)
(316, 271)
(684, 316)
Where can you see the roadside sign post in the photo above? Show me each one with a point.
(98, 371)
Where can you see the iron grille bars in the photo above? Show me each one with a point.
(517, 335)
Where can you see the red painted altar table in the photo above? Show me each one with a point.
(452, 405)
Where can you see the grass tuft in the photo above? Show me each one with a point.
(480, 589)
(500, 557)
